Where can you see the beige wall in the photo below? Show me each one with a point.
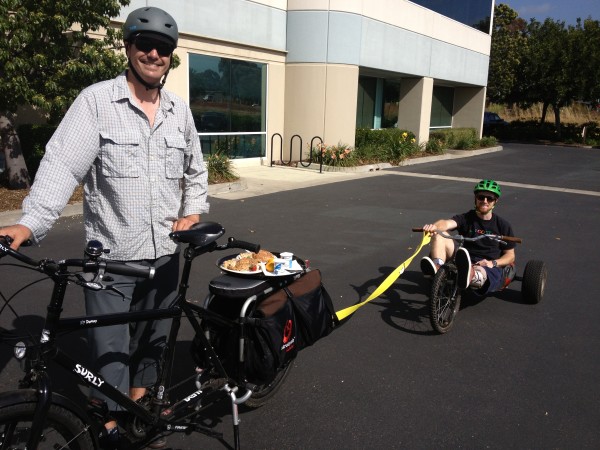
(320, 100)
(414, 109)
(469, 104)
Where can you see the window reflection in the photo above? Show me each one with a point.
(227, 102)
(475, 13)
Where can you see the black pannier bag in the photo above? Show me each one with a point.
(276, 327)
(284, 323)
(271, 338)
(313, 308)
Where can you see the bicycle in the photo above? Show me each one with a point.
(35, 417)
(445, 294)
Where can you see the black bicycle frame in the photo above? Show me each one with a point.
(178, 307)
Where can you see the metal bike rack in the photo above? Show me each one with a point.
(303, 163)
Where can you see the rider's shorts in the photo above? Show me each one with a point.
(497, 279)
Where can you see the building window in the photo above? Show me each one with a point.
(227, 99)
(365, 107)
(442, 105)
(377, 103)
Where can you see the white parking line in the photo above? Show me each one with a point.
(502, 183)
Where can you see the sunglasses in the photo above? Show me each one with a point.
(147, 44)
(489, 198)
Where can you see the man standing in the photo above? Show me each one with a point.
(135, 148)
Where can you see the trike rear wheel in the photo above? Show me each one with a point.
(534, 281)
(444, 300)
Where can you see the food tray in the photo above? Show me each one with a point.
(298, 266)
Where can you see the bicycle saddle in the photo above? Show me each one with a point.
(201, 234)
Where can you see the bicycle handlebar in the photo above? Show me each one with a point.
(90, 266)
(476, 238)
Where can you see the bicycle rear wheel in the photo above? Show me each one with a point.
(63, 429)
(444, 301)
(267, 391)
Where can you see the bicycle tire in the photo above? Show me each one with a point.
(62, 430)
(444, 300)
(534, 281)
(266, 392)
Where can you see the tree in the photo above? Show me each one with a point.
(587, 41)
(551, 72)
(50, 50)
(507, 47)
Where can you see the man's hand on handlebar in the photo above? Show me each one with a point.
(430, 228)
(18, 234)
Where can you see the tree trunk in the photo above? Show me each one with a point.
(16, 169)
(544, 112)
(557, 121)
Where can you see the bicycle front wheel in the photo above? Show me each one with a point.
(63, 430)
(444, 300)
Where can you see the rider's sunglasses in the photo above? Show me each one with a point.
(489, 198)
(147, 44)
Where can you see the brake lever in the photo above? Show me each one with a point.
(96, 285)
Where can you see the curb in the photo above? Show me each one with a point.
(11, 217)
(74, 209)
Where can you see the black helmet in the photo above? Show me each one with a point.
(151, 20)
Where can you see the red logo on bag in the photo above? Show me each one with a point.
(287, 331)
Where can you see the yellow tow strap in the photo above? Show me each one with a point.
(342, 314)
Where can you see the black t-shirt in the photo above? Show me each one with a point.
(471, 225)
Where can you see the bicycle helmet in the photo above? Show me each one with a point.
(488, 185)
(151, 20)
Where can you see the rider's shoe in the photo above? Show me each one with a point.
(110, 440)
(428, 267)
(463, 267)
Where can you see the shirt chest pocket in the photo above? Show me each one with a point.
(120, 155)
(175, 156)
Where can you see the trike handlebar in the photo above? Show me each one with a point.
(496, 237)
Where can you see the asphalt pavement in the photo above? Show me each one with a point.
(508, 375)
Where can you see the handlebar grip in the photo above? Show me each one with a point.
(418, 229)
(130, 269)
(511, 239)
(234, 243)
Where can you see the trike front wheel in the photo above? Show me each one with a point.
(444, 301)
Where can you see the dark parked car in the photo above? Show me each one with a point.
(492, 122)
(490, 118)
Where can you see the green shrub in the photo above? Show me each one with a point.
(340, 155)
(457, 138)
(488, 141)
(390, 145)
(219, 168)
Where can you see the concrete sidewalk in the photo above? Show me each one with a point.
(261, 180)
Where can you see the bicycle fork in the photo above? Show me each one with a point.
(44, 391)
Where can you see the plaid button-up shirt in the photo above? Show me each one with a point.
(137, 180)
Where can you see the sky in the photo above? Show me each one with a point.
(558, 10)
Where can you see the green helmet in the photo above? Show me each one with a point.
(488, 185)
(150, 20)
